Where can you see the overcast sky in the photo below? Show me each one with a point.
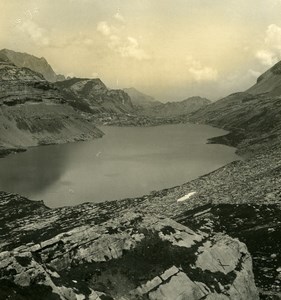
(170, 49)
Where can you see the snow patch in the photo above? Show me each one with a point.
(186, 197)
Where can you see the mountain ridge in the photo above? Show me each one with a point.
(140, 99)
(94, 94)
(39, 65)
(268, 83)
(177, 108)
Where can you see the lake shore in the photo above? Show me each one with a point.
(250, 186)
(131, 160)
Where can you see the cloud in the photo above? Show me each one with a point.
(254, 73)
(273, 36)
(94, 75)
(267, 58)
(126, 46)
(119, 17)
(104, 28)
(37, 34)
(131, 48)
(271, 52)
(199, 72)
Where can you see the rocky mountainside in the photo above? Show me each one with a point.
(268, 83)
(139, 99)
(32, 112)
(175, 109)
(24, 60)
(110, 253)
(93, 96)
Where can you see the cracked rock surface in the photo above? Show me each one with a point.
(127, 256)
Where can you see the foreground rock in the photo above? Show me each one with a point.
(258, 226)
(75, 253)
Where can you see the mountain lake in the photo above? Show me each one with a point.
(125, 162)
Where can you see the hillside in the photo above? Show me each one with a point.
(268, 83)
(32, 112)
(174, 109)
(39, 65)
(140, 99)
(254, 121)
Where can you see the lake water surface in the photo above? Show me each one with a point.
(126, 162)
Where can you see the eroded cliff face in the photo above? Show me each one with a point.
(32, 112)
(87, 252)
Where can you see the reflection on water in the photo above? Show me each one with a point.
(33, 171)
(126, 162)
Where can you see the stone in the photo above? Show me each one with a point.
(131, 255)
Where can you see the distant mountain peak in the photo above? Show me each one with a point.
(140, 99)
(177, 108)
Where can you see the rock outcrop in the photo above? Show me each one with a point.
(258, 226)
(75, 253)
(92, 95)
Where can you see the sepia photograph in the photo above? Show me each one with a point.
(140, 150)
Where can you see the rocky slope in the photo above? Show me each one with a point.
(176, 109)
(32, 112)
(141, 100)
(24, 60)
(268, 83)
(114, 254)
(93, 96)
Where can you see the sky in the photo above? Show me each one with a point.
(169, 49)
